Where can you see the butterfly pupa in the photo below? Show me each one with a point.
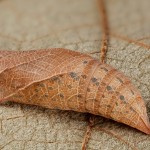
(68, 80)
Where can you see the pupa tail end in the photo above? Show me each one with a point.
(144, 126)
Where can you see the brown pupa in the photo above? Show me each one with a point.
(68, 80)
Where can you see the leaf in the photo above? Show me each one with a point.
(36, 31)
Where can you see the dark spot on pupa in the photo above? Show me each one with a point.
(103, 84)
(96, 100)
(88, 89)
(41, 84)
(111, 92)
(132, 92)
(59, 81)
(79, 96)
(84, 76)
(54, 78)
(109, 88)
(53, 99)
(112, 111)
(122, 97)
(97, 83)
(85, 62)
(113, 97)
(119, 79)
(61, 75)
(94, 79)
(46, 95)
(69, 86)
(77, 78)
(61, 95)
(124, 102)
(108, 106)
(104, 69)
(73, 74)
(103, 96)
(50, 88)
(132, 109)
(36, 95)
(116, 104)
(117, 92)
(36, 90)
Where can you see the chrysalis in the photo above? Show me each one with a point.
(68, 80)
